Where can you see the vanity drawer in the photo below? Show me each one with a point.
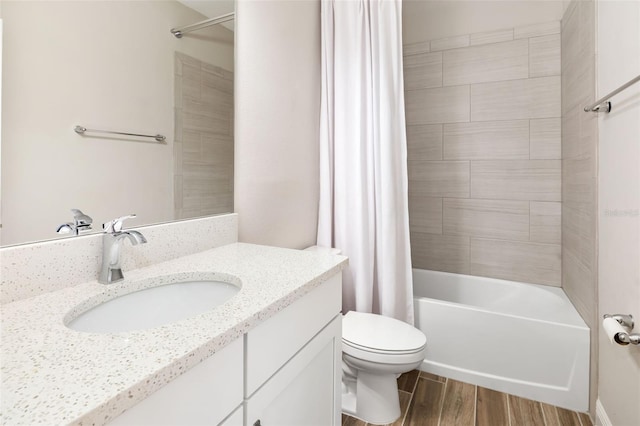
(271, 344)
(205, 394)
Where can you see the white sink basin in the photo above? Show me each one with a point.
(154, 306)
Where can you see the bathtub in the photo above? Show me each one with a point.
(524, 339)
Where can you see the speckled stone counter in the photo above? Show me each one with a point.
(54, 375)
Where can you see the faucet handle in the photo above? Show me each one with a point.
(82, 219)
(81, 222)
(115, 225)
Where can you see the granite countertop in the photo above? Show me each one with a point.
(54, 375)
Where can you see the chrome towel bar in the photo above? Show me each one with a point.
(602, 104)
(82, 130)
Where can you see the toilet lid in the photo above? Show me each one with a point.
(377, 333)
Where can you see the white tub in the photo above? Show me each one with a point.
(523, 339)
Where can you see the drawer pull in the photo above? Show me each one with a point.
(257, 423)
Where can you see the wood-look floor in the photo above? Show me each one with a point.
(430, 400)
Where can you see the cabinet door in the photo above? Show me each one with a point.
(271, 344)
(306, 391)
(235, 419)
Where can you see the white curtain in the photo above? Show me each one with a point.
(363, 172)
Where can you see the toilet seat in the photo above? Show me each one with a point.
(380, 351)
(380, 339)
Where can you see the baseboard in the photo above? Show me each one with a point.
(601, 416)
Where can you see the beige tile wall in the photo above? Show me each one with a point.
(483, 133)
(203, 149)
(579, 169)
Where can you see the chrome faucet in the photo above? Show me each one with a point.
(111, 271)
(81, 222)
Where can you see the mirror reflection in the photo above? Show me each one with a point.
(114, 66)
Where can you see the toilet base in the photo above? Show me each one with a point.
(372, 398)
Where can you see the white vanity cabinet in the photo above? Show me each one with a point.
(293, 362)
(306, 390)
(284, 371)
(236, 418)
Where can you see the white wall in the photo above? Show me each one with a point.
(618, 59)
(105, 65)
(428, 20)
(277, 116)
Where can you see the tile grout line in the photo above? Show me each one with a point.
(430, 379)
(554, 410)
(545, 421)
(411, 395)
(415, 385)
(475, 406)
(544, 418)
(512, 29)
(435, 123)
(406, 412)
(449, 197)
(444, 394)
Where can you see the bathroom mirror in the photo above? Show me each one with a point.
(114, 66)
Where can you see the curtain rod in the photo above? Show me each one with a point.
(178, 32)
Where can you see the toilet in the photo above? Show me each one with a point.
(375, 351)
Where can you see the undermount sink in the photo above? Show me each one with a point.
(155, 306)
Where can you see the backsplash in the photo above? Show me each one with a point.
(32, 269)
(484, 154)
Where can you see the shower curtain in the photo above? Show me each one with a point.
(363, 173)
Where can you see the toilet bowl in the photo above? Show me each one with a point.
(375, 351)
